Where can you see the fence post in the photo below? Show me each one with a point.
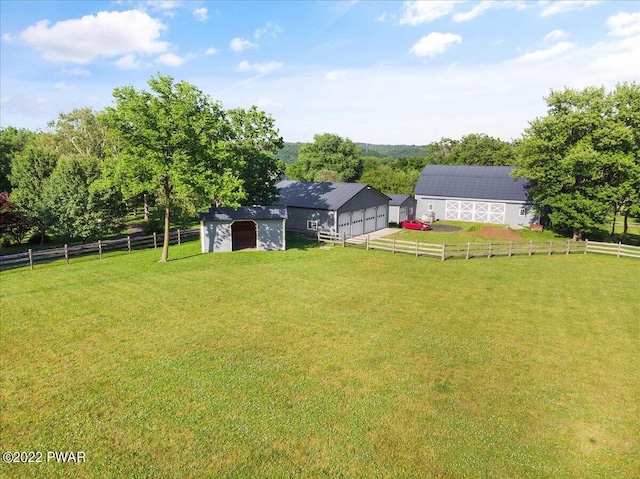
(155, 240)
(443, 252)
(510, 249)
(550, 246)
(489, 251)
(530, 248)
(178, 237)
(568, 246)
(468, 249)
(367, 242)
(66, 253)
(129, 243)
(30, 259)
(344, 239)
(417, 248)
(393, 246)
(100, 249)
(586, 246)
(318, 235)
(618, 254)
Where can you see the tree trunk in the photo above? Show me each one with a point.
(613, 226)
(146, 208)
(577, 234)
(42, 237)
(626, 224)
(167, 209)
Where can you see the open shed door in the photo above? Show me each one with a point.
(244, 235)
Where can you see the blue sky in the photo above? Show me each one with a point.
(376, 72)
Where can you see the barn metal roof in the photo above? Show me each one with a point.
(244, 213)
(318, 195)
(398, 200)
(476, 182)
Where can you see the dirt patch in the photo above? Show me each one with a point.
(492, 232)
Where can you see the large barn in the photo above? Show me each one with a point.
(258, 228)
(485, 194)
(350, 208)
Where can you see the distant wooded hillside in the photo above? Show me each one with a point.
(289, 153)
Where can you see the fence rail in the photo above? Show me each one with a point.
(66, 252)
(479, 250)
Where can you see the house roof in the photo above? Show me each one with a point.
(244, 213)
(318, 195)
(477, 182)
(398, 200)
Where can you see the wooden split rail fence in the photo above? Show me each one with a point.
(478, 250)
(66, 252)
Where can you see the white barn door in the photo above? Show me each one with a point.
(480, 211)
(357, 223)
(370, 220)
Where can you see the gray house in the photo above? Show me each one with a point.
(486, 194)
(349, 208)
(402, 207)
(259, 228)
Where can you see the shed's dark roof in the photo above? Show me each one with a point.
(478, 182)
(318, 195)
(244, 213)
(397, 200)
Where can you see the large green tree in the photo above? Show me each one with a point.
(578, 157)
(175, 136)
(31, 170)
(12, 141)
(253, 146)
(483, 150)
(328, 156)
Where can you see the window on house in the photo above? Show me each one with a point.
(523, 212)
(430, 207)
(312, 225)
(411, 210)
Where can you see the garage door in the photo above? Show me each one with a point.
(480, 211)
(357, 223)
(344, 223)
(370, 220)
(403, 214)
(381, 221)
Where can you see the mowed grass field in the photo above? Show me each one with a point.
(323, 362)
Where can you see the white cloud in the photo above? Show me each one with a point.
(129, 62)
(62, 86)
(416, 13)
(106, 34)
(8, 38)
(564, 6)
(271, 30)
(336, 75)
(201, 13)
(241, 44)
(555, 35)
(474, 12)
(78, 72)
(624, 24)
(547, 53)
(170, 59)
(434, 44)
(212, 51)
(260, 68)
(162, 5)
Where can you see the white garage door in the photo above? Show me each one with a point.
(357, 223)
(344, 223)
(480, 211)
(369, 220)
(403, 214)
(381, 221)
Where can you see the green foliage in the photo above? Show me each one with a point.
(13, 225)
(391, 181)
(174, 136)
(481, 150)
(12, 141)
(582, 158)
(327, 152)
(253, 145)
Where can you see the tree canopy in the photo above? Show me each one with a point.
(582, 157)
(329, 156)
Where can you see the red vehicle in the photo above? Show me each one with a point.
(415, 225)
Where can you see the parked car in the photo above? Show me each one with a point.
(415, 225)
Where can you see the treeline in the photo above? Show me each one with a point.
(172, 147)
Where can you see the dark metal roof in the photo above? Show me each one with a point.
(398, 200)
(318, 195)
(477, 182)
(244, 213)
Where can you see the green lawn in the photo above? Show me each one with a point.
(323, 362)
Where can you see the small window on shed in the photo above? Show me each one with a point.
(312, 225)
(410, 210)
(430, 207)
(523, 212)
